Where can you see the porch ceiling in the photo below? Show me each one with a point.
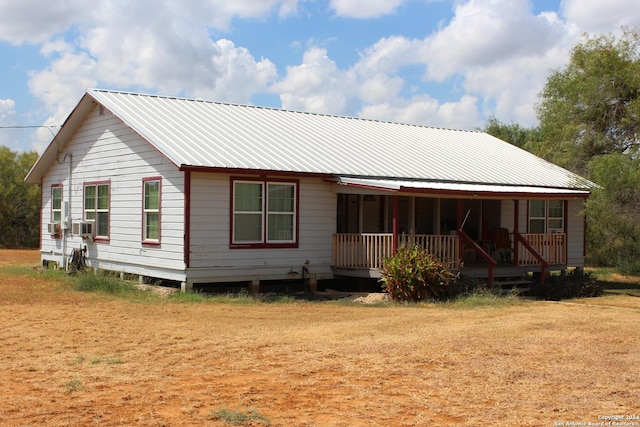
(462, 189)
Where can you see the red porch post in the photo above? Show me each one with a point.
(394, 224)
(516, 229)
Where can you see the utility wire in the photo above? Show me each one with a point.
(32, 127)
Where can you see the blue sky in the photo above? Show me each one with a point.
(446, 63)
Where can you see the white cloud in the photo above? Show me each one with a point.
(7, 110)
(364, 9)
(389, 54)
(9, 137)
(34, 21)
(379, 88)
(60, 86)
(597, 16)
(484, 32)
(425, 110)
(316, 85)
(236, 74)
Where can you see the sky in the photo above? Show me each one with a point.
(442, 63)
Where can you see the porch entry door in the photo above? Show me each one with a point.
(373, 208)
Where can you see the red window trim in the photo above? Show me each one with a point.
(264, 244)
(61, 187)
(96, 183)
(148, 242)
(565, 212)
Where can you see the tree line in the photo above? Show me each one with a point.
(589, 122)
(19, 201)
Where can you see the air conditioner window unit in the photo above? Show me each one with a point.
(84, 229)
(54, 228)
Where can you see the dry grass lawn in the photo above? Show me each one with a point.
(78, 359)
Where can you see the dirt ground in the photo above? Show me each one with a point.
(76, 359)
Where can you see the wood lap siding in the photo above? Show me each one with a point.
(210, 232)
(575, 233)
(104, 149)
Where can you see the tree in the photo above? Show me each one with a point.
(592, 107)
(612, 212)
(513, 133)
(19, 201)
(589, 116)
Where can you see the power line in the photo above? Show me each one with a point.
(28, 126)
(32, 127)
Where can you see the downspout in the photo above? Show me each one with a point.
(66, 220)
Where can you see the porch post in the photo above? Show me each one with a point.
(394, 224)
(459, 227)
(516, 228)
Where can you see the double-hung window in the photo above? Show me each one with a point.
(546, 216)
(56, 204)
(151, 211)
(264, 213)
(96, 207)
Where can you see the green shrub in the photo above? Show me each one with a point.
(238, 417)
(573, 284)
(413, 274)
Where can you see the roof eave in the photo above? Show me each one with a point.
(53, 150)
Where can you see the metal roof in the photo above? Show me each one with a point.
(478, 190)
(195, 133)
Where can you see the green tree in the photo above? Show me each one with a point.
(513, 133)
(19, 202)
(612, 212)
(589, 116)
(592, 107)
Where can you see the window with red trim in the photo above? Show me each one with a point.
(546, 216)
(97, 206)
(56, 203)
(264, 213)
(151, 210)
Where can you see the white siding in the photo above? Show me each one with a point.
(212, 259)
(575, 234)
(104, 149)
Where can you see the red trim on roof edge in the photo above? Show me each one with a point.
(256, 172)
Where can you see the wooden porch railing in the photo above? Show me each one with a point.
(491, 263)
(368, 250)
(551, 247)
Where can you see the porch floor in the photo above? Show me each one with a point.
(478, 271)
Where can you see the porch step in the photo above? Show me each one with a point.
(517, 284)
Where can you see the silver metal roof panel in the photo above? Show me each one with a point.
(218, 135)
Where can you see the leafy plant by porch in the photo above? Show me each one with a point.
(413, 274)
(573, 284)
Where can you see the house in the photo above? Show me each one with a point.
(204, 192)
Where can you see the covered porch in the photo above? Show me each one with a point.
(478, 235)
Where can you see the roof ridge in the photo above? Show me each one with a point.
(279, 109)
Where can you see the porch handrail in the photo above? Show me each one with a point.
(464, 237)
(544, 265)
(368, 250)
(361, 250)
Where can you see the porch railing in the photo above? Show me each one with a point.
(552, 247)
(368, 250)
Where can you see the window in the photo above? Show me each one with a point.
(151, 211)
(96, 207)
(56, 203)
(264, 213)
(546, 216)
